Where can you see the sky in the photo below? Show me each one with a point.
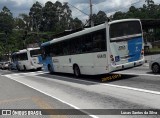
(23, 6)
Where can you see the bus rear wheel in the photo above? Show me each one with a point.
(77, 72)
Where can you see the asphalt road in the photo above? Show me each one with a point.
(136, 88)
(15, 95)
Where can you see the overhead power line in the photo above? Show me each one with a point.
(115, 10)
(77, 9)
(90, 15)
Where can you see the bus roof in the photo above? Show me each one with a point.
(123, 20)
(87, 30)
(24, 50)
(45, 44)
(32, 48)
(14, 53)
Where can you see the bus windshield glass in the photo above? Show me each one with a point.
(125, 29)
(22, 56)
(35, 53)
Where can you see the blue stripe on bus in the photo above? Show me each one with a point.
(40, 59)
(46, 62)
(135, 47)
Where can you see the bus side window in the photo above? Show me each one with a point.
(71, 48)
(87, 44)
(57, 49)
(99, 41)
(79, 45)
(65, 47)
(23, 56)
(53, 50)
(75, 47)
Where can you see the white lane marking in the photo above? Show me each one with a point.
(93, 116)
(28, 73)
(112, 85)
(135, 89)
(127, 73)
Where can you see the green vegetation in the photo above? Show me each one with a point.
(42, 22)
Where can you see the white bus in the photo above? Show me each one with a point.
(98, 50)
(27, 59)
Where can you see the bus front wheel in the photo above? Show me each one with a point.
(155, 68)
(77, 72)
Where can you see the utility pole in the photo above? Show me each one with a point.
(91, 19)
(6, 33)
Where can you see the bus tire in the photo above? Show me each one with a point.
(155, 68)
(39, 69)
(24, 68)
(50, 69)
(77, 71)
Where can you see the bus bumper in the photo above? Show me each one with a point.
(127, 65)
(35, 67)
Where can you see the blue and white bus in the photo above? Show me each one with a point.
(27, 59)
(97, 50)
(14, 60)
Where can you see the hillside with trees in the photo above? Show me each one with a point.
(44, 21)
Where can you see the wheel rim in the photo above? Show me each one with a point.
(77, 73)
(155, 68)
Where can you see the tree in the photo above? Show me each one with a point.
(6, 26)
(148, 11)
(76, 23)
(22, 22)
(6, 20)
(26, 20)
(100, 17)
(49, 17)
(118, 15)
(36, 16)
(64, 17)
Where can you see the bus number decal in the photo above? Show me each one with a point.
(101, 56)
(55, 60)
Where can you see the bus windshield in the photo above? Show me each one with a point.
(14, 57)
(35, 53)
(125, 28)
(22, 56)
